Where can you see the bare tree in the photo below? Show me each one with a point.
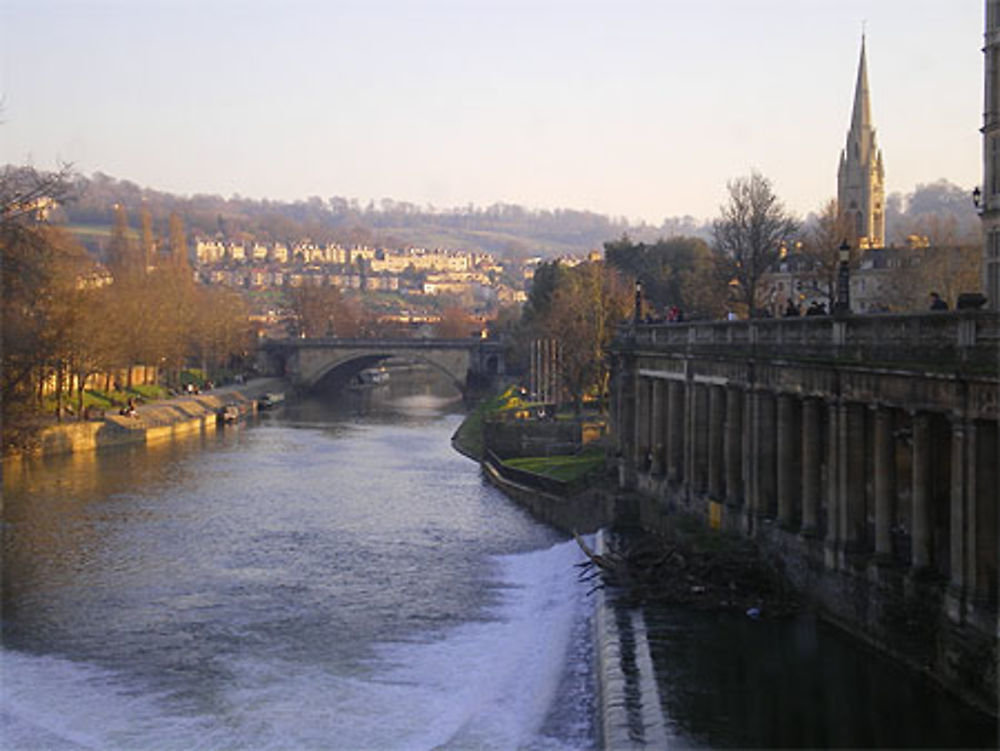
(821, 245)
(750, 233)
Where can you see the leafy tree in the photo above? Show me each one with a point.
(323, 311)
(148, 242)
(178, 244)
(455, 323)
(39, 268)
(752, 229)
(585, 305)
(675, 271)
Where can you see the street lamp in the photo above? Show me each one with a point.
(637, 314)
(843, 306)
(977, 197)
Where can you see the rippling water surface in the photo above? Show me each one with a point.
(333, 577)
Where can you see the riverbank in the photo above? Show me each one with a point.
(152, 422)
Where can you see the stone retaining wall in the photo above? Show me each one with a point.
(154, 422)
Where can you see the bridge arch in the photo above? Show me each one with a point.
(355, 363)
(466, 363)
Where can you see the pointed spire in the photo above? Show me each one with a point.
(861, 118)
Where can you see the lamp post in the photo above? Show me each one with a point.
(977, 197)
(843, 305)
(637, 313)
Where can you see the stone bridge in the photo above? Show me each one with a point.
(861, 451)
(469, 364)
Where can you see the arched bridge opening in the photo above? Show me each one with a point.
(471, 365)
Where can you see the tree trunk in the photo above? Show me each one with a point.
(59, 391)
(81, 377)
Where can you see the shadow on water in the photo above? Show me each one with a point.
(727, 681)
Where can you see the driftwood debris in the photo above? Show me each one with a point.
(645, 567)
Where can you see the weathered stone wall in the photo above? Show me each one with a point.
(861, 452)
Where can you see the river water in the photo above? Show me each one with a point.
(335, 576)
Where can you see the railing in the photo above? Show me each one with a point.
(360, 343)
(527, 479)
(961, 337)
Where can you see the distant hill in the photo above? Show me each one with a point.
(941, 211)
(507, 231)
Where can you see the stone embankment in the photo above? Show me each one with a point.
(156, 421)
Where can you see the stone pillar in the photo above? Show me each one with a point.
(700, 422)
(733, 443)
(852, 477)
(810, 466)
(642, 423)
(921, 516)
(675, 430)
(972, 510)
(959, 520)
(627, 387)
(767, 455)
(750, 418)
(786, 459)
(690, 436)
(716, 431)
(833, 498)
(885, 482)
(657, 409)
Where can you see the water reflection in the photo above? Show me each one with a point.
(727, 681)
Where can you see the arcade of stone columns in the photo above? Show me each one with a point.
(854, 473)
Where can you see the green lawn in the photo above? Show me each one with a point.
(564, 468)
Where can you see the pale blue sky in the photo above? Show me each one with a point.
(624, 107)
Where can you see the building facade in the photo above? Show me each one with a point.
(990, 206)
(861, 176)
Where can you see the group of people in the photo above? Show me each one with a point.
(816, 308)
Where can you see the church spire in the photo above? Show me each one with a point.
(861, 119)
(861, 175)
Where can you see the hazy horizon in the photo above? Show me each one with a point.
(641, 110)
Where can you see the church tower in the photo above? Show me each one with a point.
(861, 177)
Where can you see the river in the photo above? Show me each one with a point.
(335, 576)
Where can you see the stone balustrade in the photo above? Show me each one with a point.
(861, 450)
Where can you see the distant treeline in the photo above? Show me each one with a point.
(939, 209)
(505, 230)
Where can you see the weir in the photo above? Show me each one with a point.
(860, 451)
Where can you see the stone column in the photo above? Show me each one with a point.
(958, 521)
(921, 517)
(786, 459)
(656, 416)
(833, 498)
(690, 436)
(767, 455)
(972, 510)
(810, 466)
(733, 444)
(716, 431)
(700, 421)
(750, 418)
(852, 477)
(627, 398)
(675, 431)
(885, 482)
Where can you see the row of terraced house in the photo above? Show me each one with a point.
(261, 266)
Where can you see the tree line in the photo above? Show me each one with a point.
(68, 321)
(754, 234)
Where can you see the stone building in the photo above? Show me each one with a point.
(990, 206)
(861, 176)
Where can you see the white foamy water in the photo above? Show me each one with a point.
(488, 684)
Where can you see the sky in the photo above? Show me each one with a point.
(642, 109)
